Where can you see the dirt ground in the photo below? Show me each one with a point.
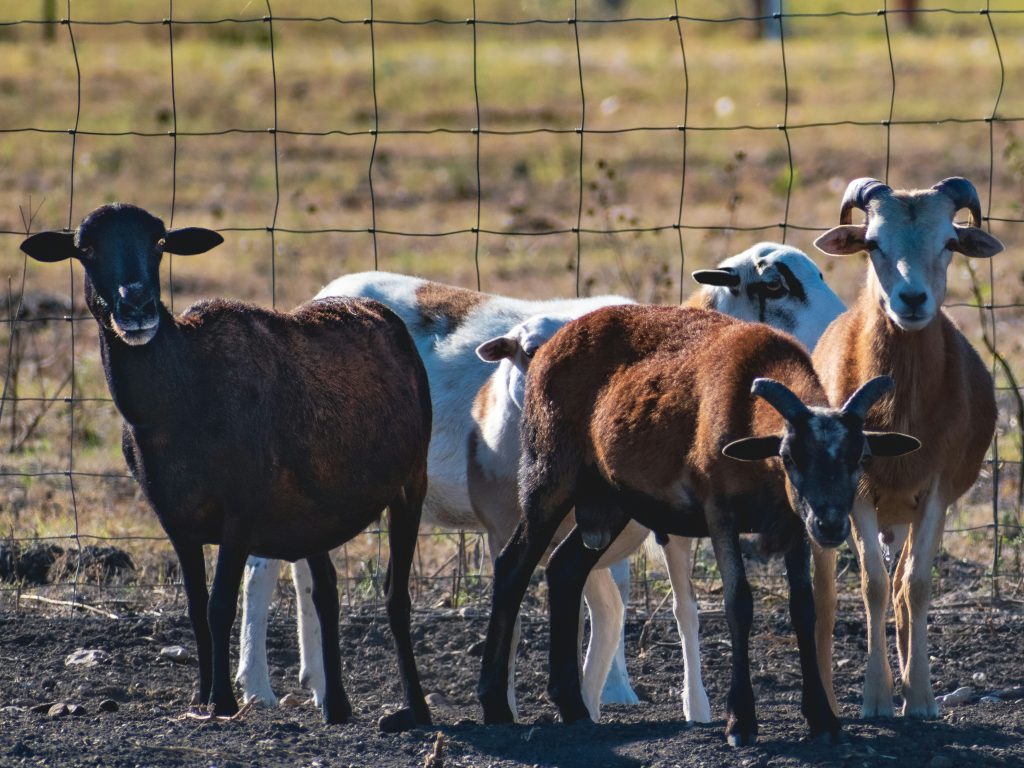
(973, 645)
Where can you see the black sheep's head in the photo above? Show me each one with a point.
(120, 246)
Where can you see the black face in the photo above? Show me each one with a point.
(822, 455)
(120, 248)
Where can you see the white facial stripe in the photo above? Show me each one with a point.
(829, 432)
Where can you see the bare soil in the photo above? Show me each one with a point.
(974, 645)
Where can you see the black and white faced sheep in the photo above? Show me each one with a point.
(269, 433)
(628, 412)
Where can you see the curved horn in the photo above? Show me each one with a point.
(724, 276)
(867, 394)
(781, 398)
(858, 194)
(963, 194)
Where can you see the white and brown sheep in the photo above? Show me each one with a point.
(627, 414)
(269, 433)
(944, 396)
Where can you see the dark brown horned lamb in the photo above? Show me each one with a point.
(630, 412)
(269, 433)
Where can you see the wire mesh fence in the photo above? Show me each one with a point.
(550, 148)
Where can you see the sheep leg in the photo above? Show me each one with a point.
(336, 706)
(678, 552)
(222, 609)
(825, 616)
(567, 571)
(617, 688)
(874, 580)
(606, 615)
(926, 536)
(901, 608)
(403, 528)
(311, 660)
(257, 591)
(512, 572)
(741, 720)
(193, 574)
(492, 543)
(814, 704)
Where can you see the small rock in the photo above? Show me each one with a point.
(115, 692)
(476, 649)
(109, 705)
(990, 700)
(439, 702)
(176, 653)
(86, 658)
(940, 761)
(289, 701)
(76, 709)
(396, 722)
(978, 677)
(57, 710)
(842, 663)
(959, 696)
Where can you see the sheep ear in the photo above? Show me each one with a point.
(890, 443)
(843, 240)
(497, 349)
(971, 241)
(189, 241)
(724, 277)
(753, 448)
(51, 246)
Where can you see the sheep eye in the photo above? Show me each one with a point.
(774, 287)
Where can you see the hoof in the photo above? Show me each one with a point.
(226, 708)
(497, 713)
(833, 738)
(402, 720)
(928, 711)
(738, 740)
(871, 712)
(337, 715)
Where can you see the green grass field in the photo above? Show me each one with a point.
(833, 91)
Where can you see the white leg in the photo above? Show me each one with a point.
(606, 614)
(926, 536)
(678, 554)
(874, 580)
(258, 590)
(617, 689)
(311, 656)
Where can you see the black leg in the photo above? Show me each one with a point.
(741, 721)
(403, 526)
(336, 706)
(512, 572)
(193, 574)
(815, 705)
(566, 575)
(223, 605)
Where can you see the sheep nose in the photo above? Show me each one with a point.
(135, 301)
(913, 300)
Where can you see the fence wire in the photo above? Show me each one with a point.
(461, 575)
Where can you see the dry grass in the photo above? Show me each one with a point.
(527, 79)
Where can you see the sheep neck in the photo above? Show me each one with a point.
(915, 359)
(150, 382)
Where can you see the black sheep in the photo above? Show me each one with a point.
(268, 433)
